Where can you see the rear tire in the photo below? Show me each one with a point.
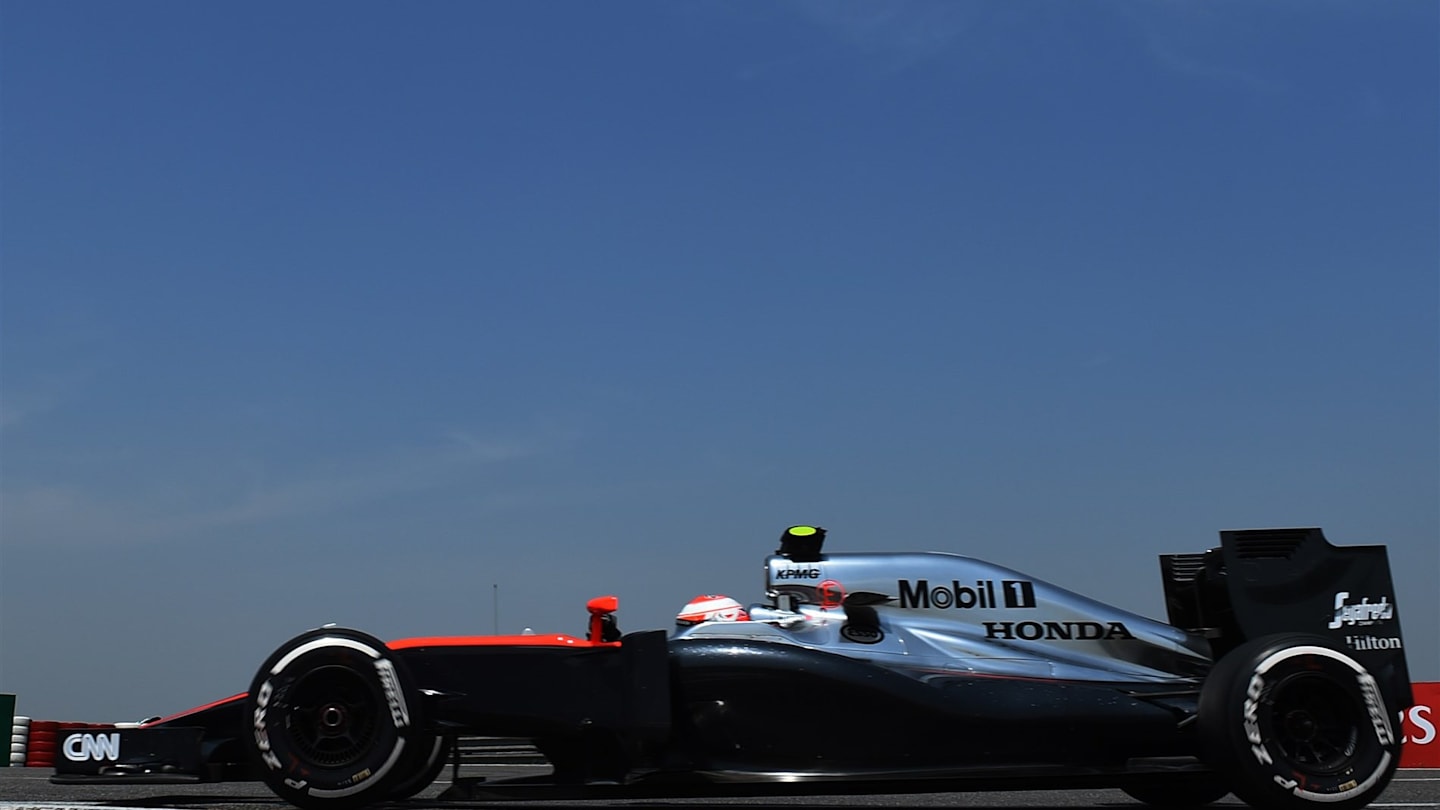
(333, 720)
(1293, 722)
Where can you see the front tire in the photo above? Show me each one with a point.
(333, 721)
(425, 761)
(1294, 722)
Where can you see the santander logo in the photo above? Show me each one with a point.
(1421, 728)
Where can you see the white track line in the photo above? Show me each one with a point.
(60, 806)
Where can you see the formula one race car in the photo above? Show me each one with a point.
(1278, 678)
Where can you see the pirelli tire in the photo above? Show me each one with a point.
(1292, 721)
(423, 762)
(334, 721)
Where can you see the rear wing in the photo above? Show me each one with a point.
(1264, 581)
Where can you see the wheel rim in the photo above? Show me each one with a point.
(333, 717)
(1316, 723)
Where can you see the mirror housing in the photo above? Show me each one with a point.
(602, 619)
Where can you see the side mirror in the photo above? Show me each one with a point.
(602, 618)
(602, 605)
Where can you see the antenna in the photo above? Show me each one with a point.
(495, 612)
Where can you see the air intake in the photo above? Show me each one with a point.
(1259, 544)
(1181, 567)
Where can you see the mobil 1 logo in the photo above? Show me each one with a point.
(1011, 593)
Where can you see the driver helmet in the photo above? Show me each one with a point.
(711, 608)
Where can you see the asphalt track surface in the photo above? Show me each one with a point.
(30, 789)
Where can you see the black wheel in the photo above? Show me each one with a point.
(1181, 791)
(1294, 722)
(424, 761)
(333, 721)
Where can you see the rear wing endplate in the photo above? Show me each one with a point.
(1264, 581)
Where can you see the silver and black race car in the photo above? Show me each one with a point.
(1278, 677)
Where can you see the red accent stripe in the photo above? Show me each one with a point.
(196, 710)
(556, 640)
(551, 640)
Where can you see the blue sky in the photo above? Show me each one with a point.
(354, 312)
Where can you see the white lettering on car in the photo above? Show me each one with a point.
(1367, 643)
(1363, 612)
(83, 746)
